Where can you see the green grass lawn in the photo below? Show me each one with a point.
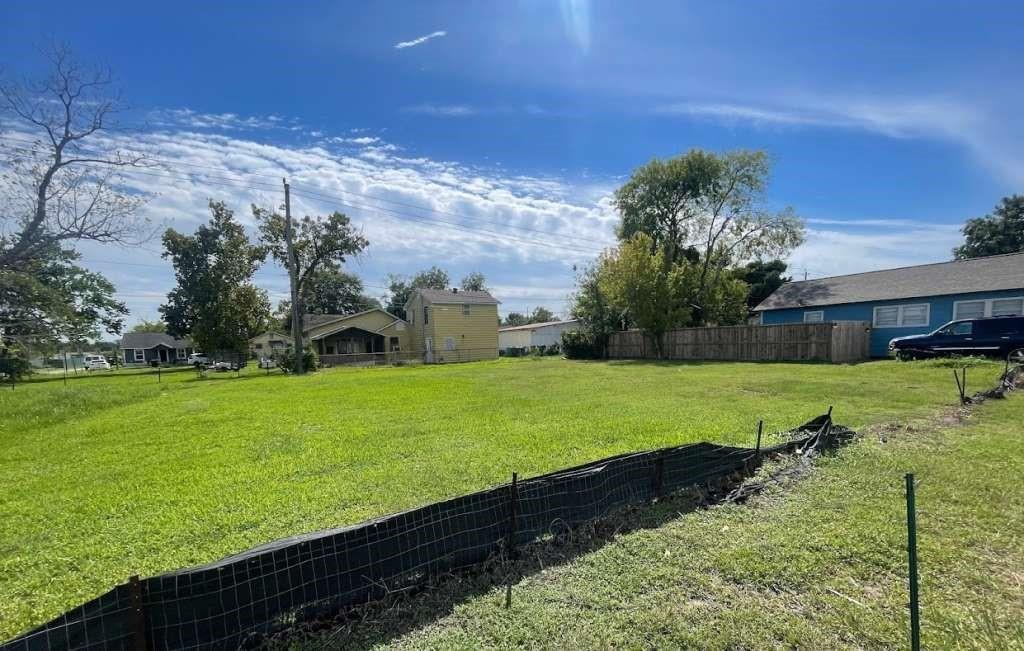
(819, 563)
(116, 474)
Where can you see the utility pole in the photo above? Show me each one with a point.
(293, 277)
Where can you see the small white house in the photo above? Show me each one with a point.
(534, 335)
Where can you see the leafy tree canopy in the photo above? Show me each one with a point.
(149, 326)
(1000, 232)
(708, 209)
(48, 298)
(474, 282)
(214, 301)
(539, 314)
(400, 287)
(763, 278)
(645, 289)
(330, 292)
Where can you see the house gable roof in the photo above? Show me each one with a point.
(993, 273)
(146, 340)
(455, 296)
(534, 326)
(338, 321)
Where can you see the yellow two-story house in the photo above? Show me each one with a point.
(452, 325)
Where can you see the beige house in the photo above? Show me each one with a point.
(370, 332)
(451, 325)
(268, 343)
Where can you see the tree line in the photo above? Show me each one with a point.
(697, 243)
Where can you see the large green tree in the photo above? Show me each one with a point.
(593, 308)
(330, 292)
(647, 289)
(214, 301)
(319, 244)
(474, 282)
(400, 287)
(513, 319)
(61, 185)
(540, 314)
(144, 325)
(764, 277)
(1000, 232)
(48, 298)
(709, 209)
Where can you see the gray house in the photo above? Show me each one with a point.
(147, 347)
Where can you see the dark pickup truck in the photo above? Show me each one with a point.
(1001, 336)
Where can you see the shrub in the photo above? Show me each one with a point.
(579, 345)
(13, 365)
(286, 360)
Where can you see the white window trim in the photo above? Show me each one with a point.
(179, 353)
(899, 316)
(465, 309)
(139, 355)
(988, 305)
(821, 312)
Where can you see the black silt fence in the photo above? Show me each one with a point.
(218, 605)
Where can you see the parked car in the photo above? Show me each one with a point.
(1001, 336)
(198, 359)
(96, 363)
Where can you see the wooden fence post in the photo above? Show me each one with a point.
(511, 542)
(513, 508)
(659, 477)
(138, 614)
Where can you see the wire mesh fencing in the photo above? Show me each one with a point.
(218, 605)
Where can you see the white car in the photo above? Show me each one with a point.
(198, 359)
(96, 363)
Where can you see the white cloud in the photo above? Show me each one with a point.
(520, 230)
(443, 110)
(421, 40)
(187, 118)
(832, 252)
(978, 129)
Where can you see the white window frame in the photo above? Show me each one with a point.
(899, 316)
(139, 355)
(988, 305)
(465, 309)
(179, 353)
(449, 343)
(820, 313)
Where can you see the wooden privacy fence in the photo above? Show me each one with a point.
(835, 341)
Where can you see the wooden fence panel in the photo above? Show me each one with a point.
(841, 341)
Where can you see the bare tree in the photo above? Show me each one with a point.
(59, 188)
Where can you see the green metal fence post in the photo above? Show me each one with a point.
(915, 620)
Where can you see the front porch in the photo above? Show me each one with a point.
(356, 346)
(354, 341)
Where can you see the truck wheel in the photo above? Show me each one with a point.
(1016, 356)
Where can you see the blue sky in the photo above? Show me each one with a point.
(888, 123)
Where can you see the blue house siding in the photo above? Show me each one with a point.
(941, 312)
